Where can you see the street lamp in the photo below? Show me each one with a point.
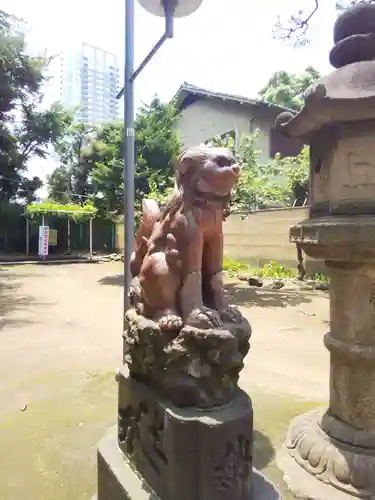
(168, 9)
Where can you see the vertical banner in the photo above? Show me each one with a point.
(43, 241)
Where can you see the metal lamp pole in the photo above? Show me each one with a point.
(168, 9)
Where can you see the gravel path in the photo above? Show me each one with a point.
(60, 330)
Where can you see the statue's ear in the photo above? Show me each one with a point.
(185, 162)
(184, 165)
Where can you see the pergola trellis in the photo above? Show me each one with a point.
(78, 213)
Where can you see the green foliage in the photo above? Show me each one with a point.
(259, 185)
(281, 182)
(320, 277)
(271, 270)
(157, 144)
(78, 213)
(10, 212)
(70, 182)
(295, 169)
(25, 131)
(286, 89)
(235, 267)
(92, 160)
(161, 196)
(275, 270)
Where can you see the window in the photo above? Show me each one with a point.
(286, 146)
(228, 139)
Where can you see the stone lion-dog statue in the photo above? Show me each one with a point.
(177, 260)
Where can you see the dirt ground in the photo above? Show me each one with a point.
(60, 332)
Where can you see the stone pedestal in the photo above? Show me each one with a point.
(161, 452)
(187, 453)
(185, 429)
(118, 480)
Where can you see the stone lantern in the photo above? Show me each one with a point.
(329, 454)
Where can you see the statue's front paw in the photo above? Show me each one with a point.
(169, 321)
(231, 315)
(204, 318)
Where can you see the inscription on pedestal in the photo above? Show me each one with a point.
(353, 168)
(342, 169)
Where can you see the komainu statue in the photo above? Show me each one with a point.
(182, 335)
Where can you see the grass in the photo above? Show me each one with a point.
(48, 451)
(272, 270)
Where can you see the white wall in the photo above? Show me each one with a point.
(206, 119)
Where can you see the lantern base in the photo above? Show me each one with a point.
(325, 458)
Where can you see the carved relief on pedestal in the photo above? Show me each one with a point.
(141, 430)
(372, 295)
(155, 429)
(234, 470)
(372, 303)
(129, 420)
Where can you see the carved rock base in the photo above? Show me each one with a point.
(192, 367)
(323, 458)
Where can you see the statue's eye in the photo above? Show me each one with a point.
(223, 161)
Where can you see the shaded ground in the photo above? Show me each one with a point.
(60, 330)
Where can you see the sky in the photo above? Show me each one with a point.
(224, 46)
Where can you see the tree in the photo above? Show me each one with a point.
(25, 131)
(296, 27)
(281, 182)
(70, 182)
(296, 171)
(107, 153)
(286, 89)
(259, 185)
(157, 147)
(60, 187)
(98, 168)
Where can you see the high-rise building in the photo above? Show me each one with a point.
(89, 80)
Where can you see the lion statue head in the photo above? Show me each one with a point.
(207, 171)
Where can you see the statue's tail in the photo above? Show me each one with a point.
(150, 214)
